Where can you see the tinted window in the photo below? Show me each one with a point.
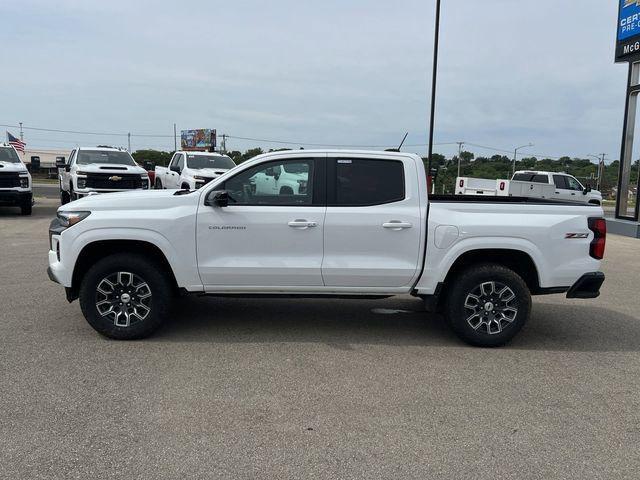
(180, 161)
(8, 154)
(523, 177)
(209, 161)
(174, 160)
(368, 182)
(105, 156)
(540, 179)
(559, 181)
(287, 182)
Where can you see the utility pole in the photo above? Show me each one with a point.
(21, 134)
(129, 141)
(460, 145)
(600, 174)
(175, 139)
(224, 143)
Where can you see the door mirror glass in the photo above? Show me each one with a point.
(175, 168)
(587, 189)
(217, 198)
(61, 162)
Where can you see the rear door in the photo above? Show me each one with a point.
(372, 227)
(267, 238)
(567, 188)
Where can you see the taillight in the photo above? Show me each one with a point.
(502, 185)
(461, 183)
(599, 228)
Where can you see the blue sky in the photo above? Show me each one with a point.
(339, 72)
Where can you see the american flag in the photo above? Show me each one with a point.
(16, 142)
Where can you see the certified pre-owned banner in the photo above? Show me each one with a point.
(628, 37)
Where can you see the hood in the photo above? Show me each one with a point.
(208, 172)
(12, 167)
(110, 168)
(132, 200)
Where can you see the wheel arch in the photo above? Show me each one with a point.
(99, 249)
(517, 260)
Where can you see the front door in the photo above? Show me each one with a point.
(373, 227)
(264, 238)
(567, 188)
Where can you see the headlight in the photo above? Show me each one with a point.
(24, 182)
(144, 181)
(82, 182)
(69, 219)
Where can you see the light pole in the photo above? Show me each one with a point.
(515, 154)
(460, 145)
(434, 78)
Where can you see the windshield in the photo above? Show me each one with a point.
(8, 154)
(101, 156)
(209, 161)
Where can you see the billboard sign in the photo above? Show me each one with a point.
(201, 139)
(628, 36)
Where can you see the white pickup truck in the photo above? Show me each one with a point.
(364, 226)
(15, 180)
(92, 170)
(537, 184)
(191, 170)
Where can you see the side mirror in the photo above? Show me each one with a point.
(270, 172)
(175, 168)
(148, 165)
(217, 198)
(586, 190)
(61, 162)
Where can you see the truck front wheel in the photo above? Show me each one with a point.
(125, 296)
(487, 305)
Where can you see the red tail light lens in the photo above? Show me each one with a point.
(599, 228)
(502, 186)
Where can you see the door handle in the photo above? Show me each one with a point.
(302, 224)
(397, 225)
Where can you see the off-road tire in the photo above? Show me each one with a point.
(491, 308)
(159, 284)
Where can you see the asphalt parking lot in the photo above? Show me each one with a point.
(236, 388)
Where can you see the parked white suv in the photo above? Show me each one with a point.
(191, 170)
(363, 226)
(92, 170)
(15, 180)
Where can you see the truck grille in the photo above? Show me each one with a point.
(9, 180)
(113, 181)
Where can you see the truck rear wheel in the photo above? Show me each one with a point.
(125, 296)
(487, 305)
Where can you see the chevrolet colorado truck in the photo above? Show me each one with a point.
(191, 170)
(364, 226)
(99, 170)
(15, 180)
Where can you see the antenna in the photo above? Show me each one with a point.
(402, 142)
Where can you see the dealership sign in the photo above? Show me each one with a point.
(203, 139)
(628, 38)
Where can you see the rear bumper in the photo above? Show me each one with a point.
(15, 197)
(587, 286)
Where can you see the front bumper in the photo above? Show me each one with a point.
(16, 197)
(587, 286)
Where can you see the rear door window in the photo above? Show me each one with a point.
(540, 179)
(363, 182)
